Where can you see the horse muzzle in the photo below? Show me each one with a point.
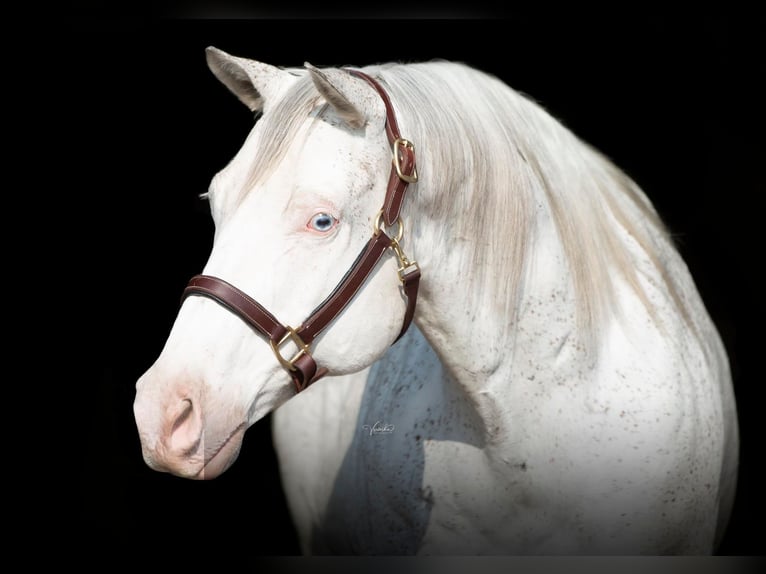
(177, 438)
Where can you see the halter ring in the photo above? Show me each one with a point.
(378, 225)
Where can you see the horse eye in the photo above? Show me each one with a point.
(322, 222)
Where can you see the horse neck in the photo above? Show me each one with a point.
(522, 233)
(474, 336)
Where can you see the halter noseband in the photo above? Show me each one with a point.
(302, 367)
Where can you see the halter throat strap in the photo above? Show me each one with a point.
(302, 367)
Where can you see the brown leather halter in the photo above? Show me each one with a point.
(302, 367)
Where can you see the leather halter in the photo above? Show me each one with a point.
(302, 367)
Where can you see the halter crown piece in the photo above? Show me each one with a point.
(302, 367)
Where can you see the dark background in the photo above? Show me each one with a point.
(668, 97)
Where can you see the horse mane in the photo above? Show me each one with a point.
(488, 157)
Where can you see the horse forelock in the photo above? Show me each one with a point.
(280, 127)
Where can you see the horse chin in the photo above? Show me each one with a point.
(222, 457)
(215, 462)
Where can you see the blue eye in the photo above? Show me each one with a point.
(322, 222)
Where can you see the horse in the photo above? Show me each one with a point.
(499, 348)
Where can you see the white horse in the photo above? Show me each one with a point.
(562, 390)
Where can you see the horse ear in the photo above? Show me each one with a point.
(353, 99)
(256, 84)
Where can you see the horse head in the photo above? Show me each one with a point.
(291, 211)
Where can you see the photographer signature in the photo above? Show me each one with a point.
(379, 428)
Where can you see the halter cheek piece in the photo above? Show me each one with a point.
(302, 367)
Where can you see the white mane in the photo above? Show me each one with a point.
(488, 157)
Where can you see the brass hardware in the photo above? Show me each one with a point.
(378, 225)
(397, 162)
(304, 348)
(404, 263)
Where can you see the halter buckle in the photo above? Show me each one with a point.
(409, 178)
(303, 348)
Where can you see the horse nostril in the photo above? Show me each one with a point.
(186, 412)
(186, 432)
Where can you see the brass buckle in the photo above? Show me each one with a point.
(303, 349)
(397, 162)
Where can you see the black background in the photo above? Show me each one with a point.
(668, 97)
